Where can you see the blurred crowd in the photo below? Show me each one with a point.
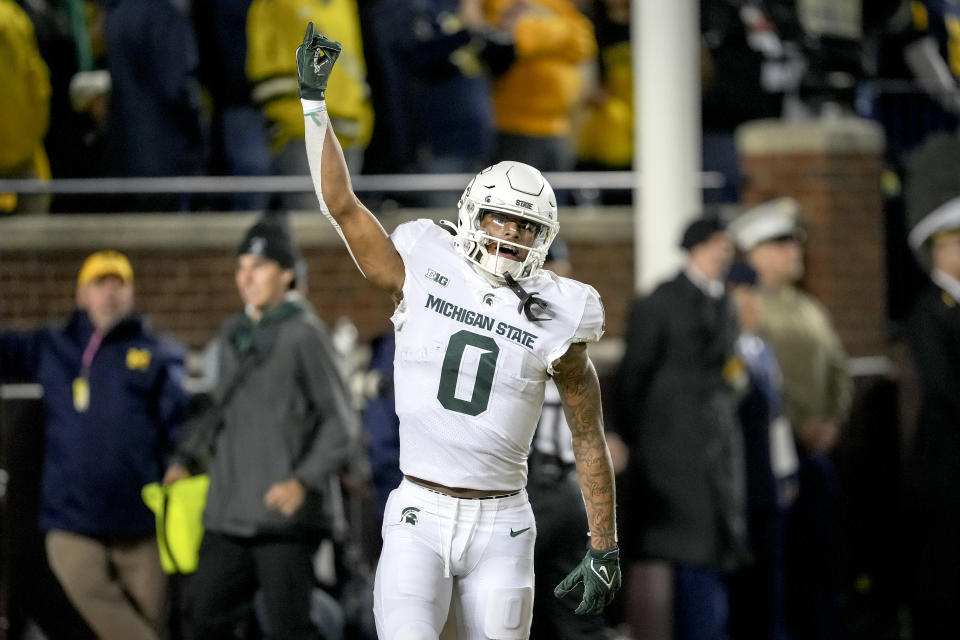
(178, 88)
(724, 410)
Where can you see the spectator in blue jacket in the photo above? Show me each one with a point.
(434, 52)
(114, 403)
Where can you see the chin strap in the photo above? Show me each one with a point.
(527, 300)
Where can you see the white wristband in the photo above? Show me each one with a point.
(313, 106)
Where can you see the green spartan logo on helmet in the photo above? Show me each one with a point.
(409, 515)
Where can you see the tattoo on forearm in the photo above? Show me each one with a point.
(580, 390)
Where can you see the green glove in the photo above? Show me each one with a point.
(315, 58)
(600, 573)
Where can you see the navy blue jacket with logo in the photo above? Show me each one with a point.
(97, 460)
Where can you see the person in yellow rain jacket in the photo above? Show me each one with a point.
(605, 133)
(534, 99)
(24, 109)
(274, 29)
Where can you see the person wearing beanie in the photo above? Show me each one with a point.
(269, 238)
(280, 427)
(114, 402)
(675, 408)
(933, 332)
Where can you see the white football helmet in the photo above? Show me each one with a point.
(515, 189)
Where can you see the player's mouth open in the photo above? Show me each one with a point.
(507, 252)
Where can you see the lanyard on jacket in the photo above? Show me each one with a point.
(81, 384)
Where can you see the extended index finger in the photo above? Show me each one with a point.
(308, 36)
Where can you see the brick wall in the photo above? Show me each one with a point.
(833, 169)
(184, 269)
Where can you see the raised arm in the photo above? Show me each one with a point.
(580, 394)
(368, 243)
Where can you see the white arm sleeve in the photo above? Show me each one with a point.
(315, 128)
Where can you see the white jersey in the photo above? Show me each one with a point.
(469, 369)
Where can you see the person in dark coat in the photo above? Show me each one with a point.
(934, 335)
(676, 410)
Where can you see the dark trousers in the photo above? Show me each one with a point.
(757, 601)
(230, 571)
(937, 584)
(813, 553)
(701, 603)
(934, 553)
(561, 544)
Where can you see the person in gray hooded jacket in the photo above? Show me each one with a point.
(280, 424)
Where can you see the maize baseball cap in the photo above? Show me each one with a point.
(772, 220)
(105, 263)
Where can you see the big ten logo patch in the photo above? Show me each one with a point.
(436, 277)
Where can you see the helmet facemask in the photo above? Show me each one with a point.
(519, 192)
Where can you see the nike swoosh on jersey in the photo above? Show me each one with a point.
(514, 534)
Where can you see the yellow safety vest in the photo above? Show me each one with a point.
(178, 508)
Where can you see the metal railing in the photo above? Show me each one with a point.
(385, 183)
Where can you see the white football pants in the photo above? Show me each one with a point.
(473, 558)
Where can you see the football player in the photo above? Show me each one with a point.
(479, 330)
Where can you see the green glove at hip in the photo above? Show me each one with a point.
(315, 59)
(600, 573)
